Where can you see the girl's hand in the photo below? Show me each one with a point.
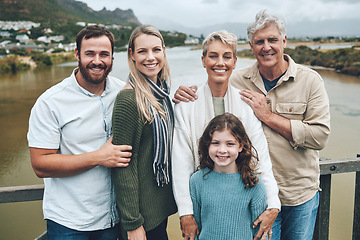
(137, 234)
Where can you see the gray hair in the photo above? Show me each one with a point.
(262, 20)
(223, 36)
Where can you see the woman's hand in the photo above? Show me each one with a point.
(137, 234)
(266, 220)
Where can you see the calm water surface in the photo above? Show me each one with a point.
(19, 92)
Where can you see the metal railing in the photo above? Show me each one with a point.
(23, 194)
(327, 168)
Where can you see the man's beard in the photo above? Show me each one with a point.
(84, 70)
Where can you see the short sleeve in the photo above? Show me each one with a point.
(44, 130)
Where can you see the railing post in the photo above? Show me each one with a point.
(356, 222)
(321, 231)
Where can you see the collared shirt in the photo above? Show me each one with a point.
(300, 96)
(69, 118)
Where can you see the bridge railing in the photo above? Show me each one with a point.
(327, 168)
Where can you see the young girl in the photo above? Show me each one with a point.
(227, 195)
(143, 118)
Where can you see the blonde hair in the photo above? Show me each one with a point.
(147, 103)
(225, 37)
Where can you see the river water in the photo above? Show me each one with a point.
(19, 92)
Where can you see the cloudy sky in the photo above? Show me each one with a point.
(200, 13)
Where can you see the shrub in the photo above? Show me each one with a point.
(12, 64)
(41, 59)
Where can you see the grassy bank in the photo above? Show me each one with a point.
(16, 63)
(12, 64)
(343, 60)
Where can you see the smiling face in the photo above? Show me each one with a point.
(224, 150)
(95, 60)
(219, 62)
(268, 47)
(148, 55)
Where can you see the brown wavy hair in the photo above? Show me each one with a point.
(248, 157)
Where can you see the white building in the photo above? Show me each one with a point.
(17, 25)
(23, 38)
(5, 34)
(191, 40)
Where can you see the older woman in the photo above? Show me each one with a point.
(214, 98)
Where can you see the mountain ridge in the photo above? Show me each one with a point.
(342, 28)
(62, 11)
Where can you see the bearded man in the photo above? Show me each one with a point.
(70, 144)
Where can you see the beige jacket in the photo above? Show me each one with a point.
(300, 96)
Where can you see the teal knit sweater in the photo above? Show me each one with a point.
(140, 201)
(223, 208)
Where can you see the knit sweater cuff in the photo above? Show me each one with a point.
(133, 224)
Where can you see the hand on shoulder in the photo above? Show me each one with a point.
(185, 94)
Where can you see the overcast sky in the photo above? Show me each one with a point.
(200, 13)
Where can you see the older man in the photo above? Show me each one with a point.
(292, 103)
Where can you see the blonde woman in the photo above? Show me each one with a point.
(143, 118)
(216, 97)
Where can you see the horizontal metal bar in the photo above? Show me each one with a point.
(35, 192)
(21, 193)
(331, 166)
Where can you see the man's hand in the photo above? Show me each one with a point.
(137, 234)
(266, 220)
(185, 94)
(111, 155)
(276, 122)
(189, 227)
(258, 104)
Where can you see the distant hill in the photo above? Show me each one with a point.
(62, 11)
(303, 29)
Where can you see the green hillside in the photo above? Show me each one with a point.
(49, 12)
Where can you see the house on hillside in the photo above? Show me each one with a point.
(22, 38)
(4, 43)
(5, 34)
(17, 25)
(50, 39)
(192, 41)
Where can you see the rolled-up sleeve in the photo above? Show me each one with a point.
(313, 131)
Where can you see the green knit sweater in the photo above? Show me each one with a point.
(140, 201)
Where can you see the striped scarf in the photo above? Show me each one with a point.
(162, 132)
